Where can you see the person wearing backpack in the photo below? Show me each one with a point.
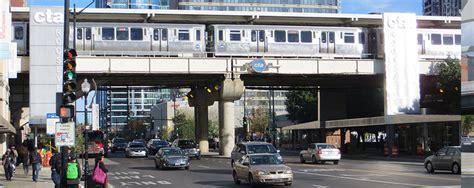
(55, 164)
(35, 159)
(99, 163)
(73, 172)
(8, 164)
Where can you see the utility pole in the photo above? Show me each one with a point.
(64, 149)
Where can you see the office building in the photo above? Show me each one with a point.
(441, 7)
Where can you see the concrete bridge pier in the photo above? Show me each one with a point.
(201, 103)
(232, 89)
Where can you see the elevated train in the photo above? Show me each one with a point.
(195, 40)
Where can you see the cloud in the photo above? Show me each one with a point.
(368, 6)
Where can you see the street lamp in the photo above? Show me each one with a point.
(86, 87)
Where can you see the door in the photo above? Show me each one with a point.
(327, 42)
(309, 152)
(259, 40)
(241, 169)
(84, 39)
(160, 40)
(438, 159)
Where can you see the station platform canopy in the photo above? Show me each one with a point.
(391, 120)
(240, 17)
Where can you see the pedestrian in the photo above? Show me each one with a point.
(73, 172)
(35, 159)
(15, 158)
(55, 164)
(8, 163)
(99, 162)
(24, 157)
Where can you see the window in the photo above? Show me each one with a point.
(254, 36)
(164, 34)
(457, 39)
(221, 35)
(156, 34)
(442, 151)
(183, 34)
(348, 37)
(235, 35)
(451, 152)
(361, 38)
(323, 37)
(448, 39)
(331, 37)
(306, 37)
(18, 33)
(88, 33)
(136, 33)
(108, 33)
(122, 33)
(261, 36)
(79, 33)
(280, 36)
(436, 39)
(420, 39)
(198, 35)
(293, 36)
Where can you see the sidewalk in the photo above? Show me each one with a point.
(20, 180)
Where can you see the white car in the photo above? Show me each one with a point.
(320, 152)
(135, 149)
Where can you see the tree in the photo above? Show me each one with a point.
(449, 85)
(184, 125)
(466, 124)
(302, 106)
(259, 121)
(213, 129)
(134, 129)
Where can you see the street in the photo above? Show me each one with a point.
(216, 172)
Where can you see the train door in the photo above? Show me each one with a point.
(259, 40)
(160, 40)
(421, 44)
(327, 42)
(84, 39)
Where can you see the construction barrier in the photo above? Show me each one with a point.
(394, 151)
(419, 150)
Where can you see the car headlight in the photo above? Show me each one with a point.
(260, 172)
(197, 149)
(288, 172)
(280, 158)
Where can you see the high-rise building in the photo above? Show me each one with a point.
(441, 7)
(133, 4)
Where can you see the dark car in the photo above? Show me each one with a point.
(171, 157)
(189, 147)
(118, 144)
(139, 140)
(467, 144)
(447, 158)
(156, 144)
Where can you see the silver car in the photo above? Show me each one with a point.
(262, 169)
(171, 157)
(244, 148)
(447, 158)
(135, 149)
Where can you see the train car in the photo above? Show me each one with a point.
(439, 43)
(131, 39)
(287, 41)
(20, 36)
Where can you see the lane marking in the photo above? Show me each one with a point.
(204, 166)
(320, 186)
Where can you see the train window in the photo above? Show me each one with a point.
(164, 34)
(306, 37)
(348, 37)
(420, 39)
(280, 36)
(108, 33)
(436, 39)
(221, 35)
(198, 35)
(293, 36)
(323, 37)
(79, 33)
(122, 33)
(156, 34)
(19, 33)
(183, 34)
(88, 33)
(261, 36)
(457, 39)
(235, 35)
(254, 36)
(361, 38)
(136, 34)
(331, 37)
(448, 39)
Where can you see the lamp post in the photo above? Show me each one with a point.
(85, 89)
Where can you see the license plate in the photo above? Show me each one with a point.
(176, 164)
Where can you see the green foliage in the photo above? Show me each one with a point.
(134, 129)
(466, 124)
(302, 106)
(79, 145)
(259, 121)
(213, 129)
(449, 85)
(184, 125)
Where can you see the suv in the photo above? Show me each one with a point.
(118, 144)
(156, 144)
(244, 148)
(189, 147)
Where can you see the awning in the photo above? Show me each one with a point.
(391, 120)
(308, 125)
(5, 126)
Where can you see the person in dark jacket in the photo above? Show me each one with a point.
(55, 163)
(99, 160)
(24, 156)
(35, 159)
(74, 183)
(8, 164)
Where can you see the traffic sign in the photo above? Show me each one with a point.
(51, 120)
(65, 134)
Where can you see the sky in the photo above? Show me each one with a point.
(347, 6)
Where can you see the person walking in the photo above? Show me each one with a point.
(99, 162)
(35, 159)
(8, 163)
(24, 156)
(73, 172)
(55, 164)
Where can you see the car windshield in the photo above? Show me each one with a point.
(326, 146)
(136, 145)
(120, 141)
(160, 143)
(265, 160)
(172, 152)
(186, 144)
(261, 149)
(138, 140)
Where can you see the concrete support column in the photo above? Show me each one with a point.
(196, 124)
(203, 128)
(343, 139)
(389, 139)
(226, 128)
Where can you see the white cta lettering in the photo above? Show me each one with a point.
(48, 17)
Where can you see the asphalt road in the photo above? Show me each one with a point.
(216, 172)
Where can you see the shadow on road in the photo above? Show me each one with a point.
(230, 184)
(213, 171)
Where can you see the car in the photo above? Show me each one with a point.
(189, 147)
(139, 140)
(467, 144)
(447, 158)
(118, 144)
(244, 148)
(171, 157)
(261, 168)
(320, 153)
(156, 144)
(212, 143)
(135, 149)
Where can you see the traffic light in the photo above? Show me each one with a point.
(69, 76)
(244, 122)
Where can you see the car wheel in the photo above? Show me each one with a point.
(186, 168)
(113, 151)
(336, 162)
(456, 169)
(288, 183)
(429, 167)
(198, 157)
(323, 162)
(251, 182)
(302, 159)
(236, 179)
(156, 165)
(314, 160)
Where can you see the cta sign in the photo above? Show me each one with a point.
(47, 15)
(258, 65)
